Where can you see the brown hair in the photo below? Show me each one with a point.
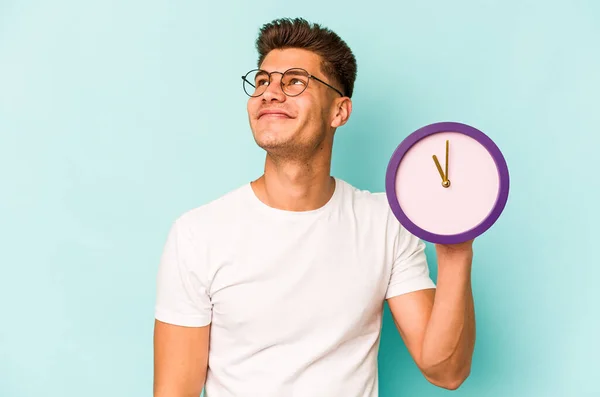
(338, 63)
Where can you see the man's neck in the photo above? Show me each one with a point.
(295, 186)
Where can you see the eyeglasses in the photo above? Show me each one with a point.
(293, 82)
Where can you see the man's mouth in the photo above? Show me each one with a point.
(277, 114)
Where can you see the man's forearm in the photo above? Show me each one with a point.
(450, 336)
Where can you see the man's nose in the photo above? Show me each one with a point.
(274, 91)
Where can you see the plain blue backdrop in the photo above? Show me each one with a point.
(117, 116)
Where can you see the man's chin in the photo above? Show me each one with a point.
(271, 144)
(271, 136)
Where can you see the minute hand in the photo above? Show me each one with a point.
(447, 152)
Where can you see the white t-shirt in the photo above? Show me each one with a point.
(294, 299)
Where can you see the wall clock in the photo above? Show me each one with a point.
(447, 183)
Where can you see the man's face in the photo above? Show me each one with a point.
(292, 125)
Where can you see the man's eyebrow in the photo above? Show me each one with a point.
(296, 72)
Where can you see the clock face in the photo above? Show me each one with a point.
(447, 183)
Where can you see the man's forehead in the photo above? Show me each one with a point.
(281, 60)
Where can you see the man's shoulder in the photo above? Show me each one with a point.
(367, 199)
(372, 207)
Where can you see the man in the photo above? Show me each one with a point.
(277, 288)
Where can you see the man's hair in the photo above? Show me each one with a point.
(339, 64)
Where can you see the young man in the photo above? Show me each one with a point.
(277, 288)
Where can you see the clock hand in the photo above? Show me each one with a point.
(445, 181)
(446, 173)
(439, 167)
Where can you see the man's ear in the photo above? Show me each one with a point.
(341, 112)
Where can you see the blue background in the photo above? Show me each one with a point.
(117, 116)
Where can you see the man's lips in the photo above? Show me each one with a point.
(273, 113)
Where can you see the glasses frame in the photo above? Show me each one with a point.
(310, 76)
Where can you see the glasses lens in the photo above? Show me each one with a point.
(295, 81)
(256, 82)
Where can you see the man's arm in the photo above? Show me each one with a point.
(438, 326)
(180, 359)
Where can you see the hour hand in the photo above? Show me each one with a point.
(439, 167)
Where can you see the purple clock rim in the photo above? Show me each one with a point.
(485, 141)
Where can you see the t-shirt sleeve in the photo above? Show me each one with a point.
(181, 288)
(410, 271)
